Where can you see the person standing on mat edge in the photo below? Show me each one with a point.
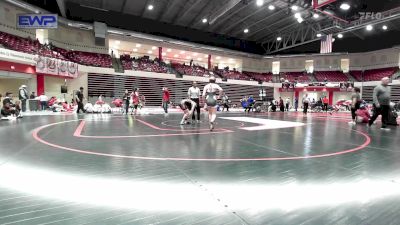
(135, 100)
(296, 103)
(287, 106)
(381, 99)
(355, 104)
(23, 96)
(210, 95)
(126, 99)
(325, 102)
(194, 95)
(306, 101)
(79, 99)
(165, 99)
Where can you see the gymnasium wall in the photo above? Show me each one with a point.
(256, 65)
(115, 85)
(376, 59)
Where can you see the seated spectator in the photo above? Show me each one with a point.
(250, 103)
(9, 108)
(88, 108)
(244, 102)
(100, 101)
(363, 115)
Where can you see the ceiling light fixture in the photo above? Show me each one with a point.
(294, 7)
(260, 2)
(319, 35)
(150, 7)
(369, 27)
(204, 20)
(345, 6)
(271, 7)
(138, 45)
(384, 27)
(300, 20)
(316, 16)
(246, 31)
(279, 38)
(154, 47)
(340, 35)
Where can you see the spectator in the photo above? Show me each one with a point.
(281, 105)
(306, 102)
(381, 97)
(355, 104)
(33, 95)
(23, 96)
(296, 103)
(165, 99)
(225, 102)
(244, 102)
(43, 99)
(325, 102)
(250, 103)
(135, 98)
(9, 108)
(287, 104)
(79, 99)
(363, 115)
(126, 99)
(142, 101)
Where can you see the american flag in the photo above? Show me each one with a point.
(326, 44)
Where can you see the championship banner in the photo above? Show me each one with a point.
(51, 66)
(62, 68)
(72, 69)
(56, 67)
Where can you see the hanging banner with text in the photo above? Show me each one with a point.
(56, 67)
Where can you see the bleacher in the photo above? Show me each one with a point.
(19, 44)
(374, 74)
(148, 65)
(330, 76)
(126, 61)
(265, 77)
(300, 77)
(193, 70)
(233, 74)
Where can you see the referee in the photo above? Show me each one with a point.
(194, 95)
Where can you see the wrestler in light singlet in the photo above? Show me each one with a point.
(210, 95)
